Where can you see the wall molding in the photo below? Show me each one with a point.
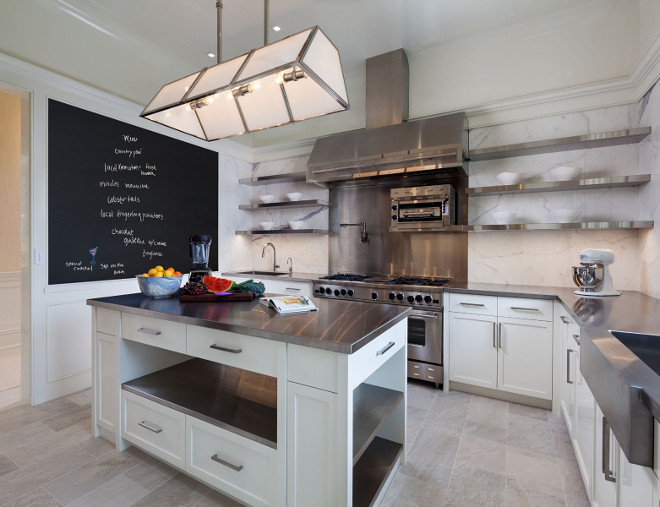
(10, 279)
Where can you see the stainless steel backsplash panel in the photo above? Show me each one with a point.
(385, 252)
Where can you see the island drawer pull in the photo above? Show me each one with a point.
(563, 319)
(237, 468)
(525, 309)
(385, 349)
(146, 330)
(226, 349)
(150, 426)
(472, 304)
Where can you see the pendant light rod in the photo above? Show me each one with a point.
(265, 22)
(218, 53)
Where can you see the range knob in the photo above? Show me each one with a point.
(394, 217)
(374, 295)
(337, 292)
(391, 295)
(350, 292)
(321, 290)
(428, 299)
(394, 206)
(411, 299)
(399, 296)
(418, 298)
(328, 291)
(343, 292)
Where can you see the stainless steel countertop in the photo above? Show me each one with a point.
(338, 326)
(296, 276)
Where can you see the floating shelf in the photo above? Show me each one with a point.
(636, 224)
(372, 405)
(555, 186)
(372, 470)
(217, 394)
(285, 204)
(611, 138)
(274, 178)
(256, 232)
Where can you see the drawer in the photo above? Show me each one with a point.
(524, 308)
(155, 428)
(473, 303)
(107, 321)
(164, 334)
(234, 464)
(429, 372)
(241, 351)
(374, 354)
(288, 287)
(313, 367)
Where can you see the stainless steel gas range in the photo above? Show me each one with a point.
(423, 294)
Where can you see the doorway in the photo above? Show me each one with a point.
(15, 256)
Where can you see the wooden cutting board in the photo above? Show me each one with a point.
(217, 297)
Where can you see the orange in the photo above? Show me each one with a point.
(177, 273)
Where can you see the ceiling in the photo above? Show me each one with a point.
(131, 47)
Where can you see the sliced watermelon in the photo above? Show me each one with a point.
(218, 284)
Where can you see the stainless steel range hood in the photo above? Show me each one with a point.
(390, 145)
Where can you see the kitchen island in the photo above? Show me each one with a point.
(271, 409)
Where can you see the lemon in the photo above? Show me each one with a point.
(144, 274)
(159, 268)
(159, 274)
(168, 272)
(152, 272)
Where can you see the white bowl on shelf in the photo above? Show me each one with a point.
(565, 172)
(506, 178)
(266, 199)
(294, 196)
(503, 217)
(295, 224)
(266, 226)
(565, 215)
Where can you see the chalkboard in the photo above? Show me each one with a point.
(123, 199)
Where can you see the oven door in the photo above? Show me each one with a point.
(425, 336)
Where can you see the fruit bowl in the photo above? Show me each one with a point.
(159, 287)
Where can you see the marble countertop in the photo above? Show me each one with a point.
(338, 326)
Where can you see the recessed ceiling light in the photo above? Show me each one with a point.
(210, 55)
(276, 28)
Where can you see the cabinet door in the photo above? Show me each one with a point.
(569, 367)
(525, 357)
(106, 382)
(473, 349)
(604, 488)
(635, 484)
(583, 441)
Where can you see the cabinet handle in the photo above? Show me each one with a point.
(150, 426)
(146, 330)
(494, 335)
(425, 315)
(522, 308)
(237, 468)
(385, 349)
(576, 337)
(499, 336)
(226, 349)
(568, 366)
(605, 465)
(293, 288)
(563, 319)
(472, 304)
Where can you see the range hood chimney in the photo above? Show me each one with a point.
(390, 145)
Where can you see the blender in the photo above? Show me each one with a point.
(200, 245)
(593, 275)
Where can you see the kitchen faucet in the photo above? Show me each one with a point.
(363, 236)
(263, 253)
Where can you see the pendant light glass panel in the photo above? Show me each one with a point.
(322, 58)
(180, 118)
(307, 99)
(171, 93)
(264, 106)
(216, 77)
(277, 54)
(220, 117)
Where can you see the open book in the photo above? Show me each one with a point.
(289, 304)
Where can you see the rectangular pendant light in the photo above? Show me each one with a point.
(294, 79)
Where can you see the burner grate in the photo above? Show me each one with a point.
(429, 282)
(348, 277)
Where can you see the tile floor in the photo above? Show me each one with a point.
(463, 450)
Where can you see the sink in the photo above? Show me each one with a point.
(645, 346)
(268, 273)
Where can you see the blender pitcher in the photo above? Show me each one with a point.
(200, 245)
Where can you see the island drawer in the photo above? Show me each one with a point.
(473, 303)
(525, 308)
(234, 464)
(155, 428)
(107, 321)
(164, 334)
(238, 350)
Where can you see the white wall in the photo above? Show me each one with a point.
(10, 309)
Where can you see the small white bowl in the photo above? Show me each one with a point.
(266, 199)
(564, 173)
(294, 196)
(266, 226)
(503, 217)
(509, 178)
(565, 215)
(295, 224)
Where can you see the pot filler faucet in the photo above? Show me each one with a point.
(363, 236)
(263, 254)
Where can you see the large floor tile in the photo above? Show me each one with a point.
(488, 411)
(432, 456)
(448, 412)
(421, 394)
(517, 496)
(151, 473)
(527, 411)
(534, 474)
(6, 465)
(408, 491)
(471, 486)
(530, 435)
(118, 492)
(35, 498)
(181, 490)
(482, 453)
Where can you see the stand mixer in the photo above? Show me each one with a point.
(593, 276)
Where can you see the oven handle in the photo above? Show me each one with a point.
(417, 214)
(424, 315)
